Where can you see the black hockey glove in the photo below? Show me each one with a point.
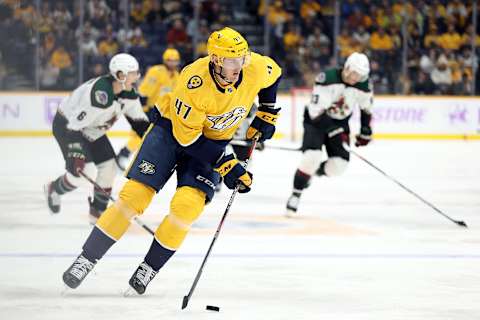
(75, 158)
(234, 173)
(364, 137)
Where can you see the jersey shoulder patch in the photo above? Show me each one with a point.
(194, 82)
(328, 77)
(101, 95)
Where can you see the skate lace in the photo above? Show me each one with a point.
(145, 273)
(81, 267)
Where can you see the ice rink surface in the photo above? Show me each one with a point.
(361, 248)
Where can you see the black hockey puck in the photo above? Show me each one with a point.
(213, 308)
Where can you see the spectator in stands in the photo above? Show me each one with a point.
(88, 44)
(422, 84)
(432, 37)
(44, 21)
(381, 41)
(177, 36)
(379, 78)
(48, 46)
(49, 75)
(99, 7)
(314, 44)
(292, 38)
(345, 43)
(362, 36)
(60, 58)
(450, 40)
(427, 61)
(137, 39)
(356, 20)
(310, 8)
(458, 11)
(442, 76)
(108, 47)
(138, 14)
(61, 18)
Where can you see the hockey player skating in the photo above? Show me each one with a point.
(335, 94)
(80, 127)
(159, 80)
(212, 97)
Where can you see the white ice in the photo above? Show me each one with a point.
(361, 248)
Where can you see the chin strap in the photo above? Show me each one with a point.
(221, 75)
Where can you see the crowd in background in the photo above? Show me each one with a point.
(439, 56)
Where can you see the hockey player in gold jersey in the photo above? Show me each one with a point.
(159, 80)
(212, 97)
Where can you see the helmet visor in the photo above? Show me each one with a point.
(234, 63)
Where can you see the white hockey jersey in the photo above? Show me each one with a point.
(93, 108)
(336, 98)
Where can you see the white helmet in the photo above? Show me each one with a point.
(123, 62)
(358, 62)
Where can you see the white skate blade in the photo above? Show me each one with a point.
(291, 214)
(130, 292)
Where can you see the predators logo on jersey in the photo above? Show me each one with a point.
(227, 120)
(210, 109)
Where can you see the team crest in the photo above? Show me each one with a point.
(101, 97)
(194, 82)
(321, 77)
(227, 120)
(146, 167)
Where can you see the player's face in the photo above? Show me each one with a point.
(231, 68)
(351, 77)
(132, 77)
(172, 64)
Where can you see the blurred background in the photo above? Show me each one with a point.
(415, 47)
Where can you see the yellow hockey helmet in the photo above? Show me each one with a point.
(171, 54)
(227, 43)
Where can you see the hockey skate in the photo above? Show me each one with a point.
(74, 275)
(140, 279)
(292, 204)
(53, 198)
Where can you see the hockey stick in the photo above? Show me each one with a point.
(137, 220)
(186, 298)
(458, 222)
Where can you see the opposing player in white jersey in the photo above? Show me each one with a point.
(335, 94)
(80, 127)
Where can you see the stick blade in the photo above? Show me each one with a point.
(184, 302)
(462, 224)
